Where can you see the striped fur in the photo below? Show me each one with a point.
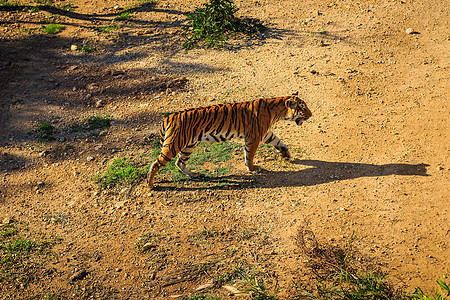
(250, 120)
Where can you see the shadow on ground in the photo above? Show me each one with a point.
(317, 172)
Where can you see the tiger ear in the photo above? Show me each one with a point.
(291, 103)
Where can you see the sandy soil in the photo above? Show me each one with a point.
(373, 160)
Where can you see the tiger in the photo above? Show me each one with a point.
(251, 121)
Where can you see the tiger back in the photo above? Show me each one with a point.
(251, 120)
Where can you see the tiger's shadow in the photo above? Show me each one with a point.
(316, 172)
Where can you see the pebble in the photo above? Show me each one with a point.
(90, 158)
(73, 47)
(204, 286)
(43, 153)
(410, 31)
(148, 246)
(98, 103)
(7, 221)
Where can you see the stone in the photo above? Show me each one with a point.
(98, 103)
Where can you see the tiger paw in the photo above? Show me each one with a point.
(286, 154)
(255, 170)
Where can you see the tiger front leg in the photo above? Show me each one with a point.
(271, 139)
(151, 174)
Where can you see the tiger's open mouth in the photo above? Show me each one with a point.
(300, 120)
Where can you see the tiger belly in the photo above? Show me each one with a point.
(216, 138)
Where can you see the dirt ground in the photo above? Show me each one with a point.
(373, 160)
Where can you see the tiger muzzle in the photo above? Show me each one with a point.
(300, 121)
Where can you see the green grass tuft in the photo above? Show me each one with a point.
(20, 258)
(123, 16)
(256, 286)
(53, 28)
(211, 24)
(122, 172)
(92, 123)
(107, 29)
(44, 131)
(11, 6)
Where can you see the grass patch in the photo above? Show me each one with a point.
(122, 172)
(66, 7)
(107, 29)
(21, 259)
(87, 49)
(205, 234)
(11, 6)
(123, 16)
(136, 6)
(44, 131)
(337, 275)
(203, 152)
(214, 153)
(211, 24)
(257, 287)
(53, 28)
(92, 123)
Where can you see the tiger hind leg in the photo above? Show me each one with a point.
(250, 150)
(183, 158)
(271, 139)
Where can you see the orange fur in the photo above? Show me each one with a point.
(250, 120)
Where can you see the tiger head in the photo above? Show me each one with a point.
(297, 110)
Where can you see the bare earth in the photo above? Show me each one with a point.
(373, 159)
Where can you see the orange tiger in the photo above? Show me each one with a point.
(251, 120)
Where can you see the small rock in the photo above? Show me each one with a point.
(232, 290)
(90, 158)
(117, 73)
(204, 286)
(119, 204)
(208, 99)
(148, 246)
(73, 47)
(71, 68)
(7, 221)
(43, 153)
(98, 103)
(91, 86)
(410, 31)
